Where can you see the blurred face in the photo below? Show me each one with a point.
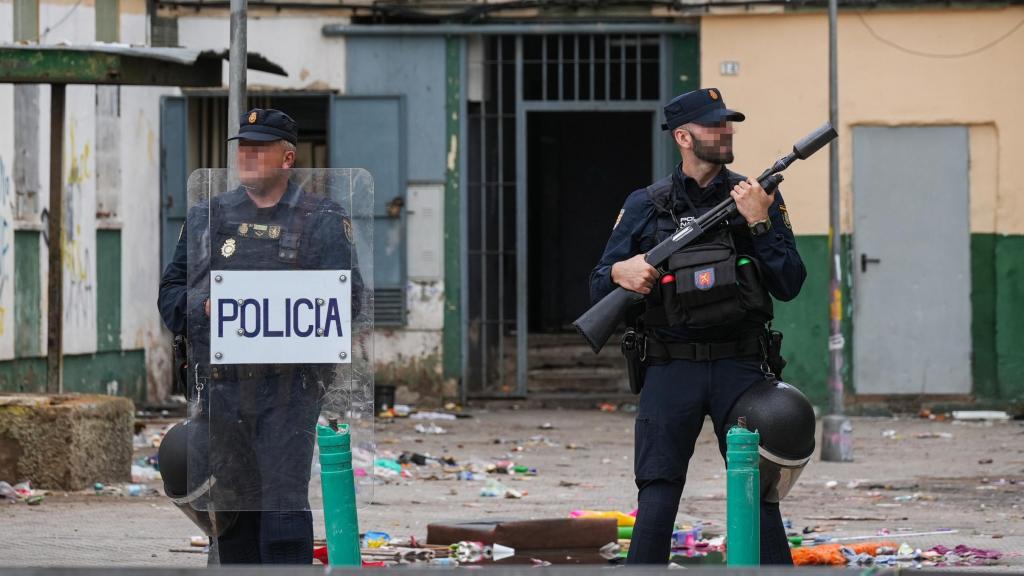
(711, 142)
(261, 164)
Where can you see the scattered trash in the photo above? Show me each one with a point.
(831, 484)
(199, 541)
(34, 500)
(985, 461)
(990, 415)
(376, 539)
(432, 416)
(621, 518)
(606, 407)
(431, 429)
(891, 434)
(933, 435)
(7, 492)
(495, 489)
(546, 426)
(833, 555)
(141, 474)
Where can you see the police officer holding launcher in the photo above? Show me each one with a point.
(702, 323)
(258, 420)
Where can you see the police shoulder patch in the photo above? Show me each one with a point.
(785, 216)
(618, 219)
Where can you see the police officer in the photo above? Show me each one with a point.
(704, 321)
(251, 435)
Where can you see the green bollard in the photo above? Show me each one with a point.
(743, 508)
(339, 490)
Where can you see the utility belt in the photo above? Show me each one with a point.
(243, 372)
(641, 349)
(700, 351)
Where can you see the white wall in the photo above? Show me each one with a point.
(295, 43)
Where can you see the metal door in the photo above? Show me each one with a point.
(366, 132)
(173, 173)
(911, 260)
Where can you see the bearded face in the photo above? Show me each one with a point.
(713, 144)
(260, 165)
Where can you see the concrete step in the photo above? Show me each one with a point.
(582, 380)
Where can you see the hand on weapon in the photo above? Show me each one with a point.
(751, 200)
(635, 274)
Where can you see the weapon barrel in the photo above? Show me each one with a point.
(814, 141)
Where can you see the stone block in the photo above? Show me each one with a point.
(67, 441)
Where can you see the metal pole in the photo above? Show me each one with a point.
(837, 433)
(55, 244)
(236, 81)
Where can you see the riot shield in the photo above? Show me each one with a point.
(280, 330)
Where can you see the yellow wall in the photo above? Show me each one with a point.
(782, 87)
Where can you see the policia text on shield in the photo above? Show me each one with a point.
(597, 324)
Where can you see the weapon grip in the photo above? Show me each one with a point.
(771, 183)
(597, 324)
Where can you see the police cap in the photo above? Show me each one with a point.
(704, 106)
(266, 125)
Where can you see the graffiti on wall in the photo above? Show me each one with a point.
(6, 236)
(78, 285)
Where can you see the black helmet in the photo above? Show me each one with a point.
(784, 419)
(174, 460)
(187, 493)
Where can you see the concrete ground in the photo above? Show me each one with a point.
(910, 474)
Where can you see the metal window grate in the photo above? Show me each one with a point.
(591, 67)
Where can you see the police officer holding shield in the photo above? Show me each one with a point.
(703, 323)
(251, 429)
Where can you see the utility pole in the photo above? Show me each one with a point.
(836, 431)
(236, 82)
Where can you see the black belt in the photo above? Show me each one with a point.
(702, 351)
(239, 372)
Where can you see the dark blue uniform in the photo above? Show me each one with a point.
(259, 420)
(677, 394)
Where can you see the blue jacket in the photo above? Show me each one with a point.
(643, 222)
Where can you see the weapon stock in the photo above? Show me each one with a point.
(598, 323)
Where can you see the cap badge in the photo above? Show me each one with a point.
(252, 118)
(713, 94)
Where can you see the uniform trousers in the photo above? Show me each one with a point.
(676, 397)
(261, 436)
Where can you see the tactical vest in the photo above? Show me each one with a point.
(274, 243)
(708, 283)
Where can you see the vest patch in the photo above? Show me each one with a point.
(704, 279)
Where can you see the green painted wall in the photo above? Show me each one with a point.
(27, 294)
(85, 373)
(1009, 317)
(804, 322)
(997, 328)
(108, 290)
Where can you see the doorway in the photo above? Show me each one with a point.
(581, 166)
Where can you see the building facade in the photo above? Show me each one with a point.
(502, 151)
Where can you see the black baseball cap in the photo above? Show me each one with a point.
(266, 125)
(704, 106)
